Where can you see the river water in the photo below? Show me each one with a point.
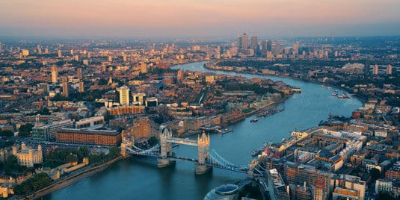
(140, 179)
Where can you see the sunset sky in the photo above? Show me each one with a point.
(200, 18)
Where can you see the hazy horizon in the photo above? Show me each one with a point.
(208, 18)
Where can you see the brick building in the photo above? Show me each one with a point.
(88, 137)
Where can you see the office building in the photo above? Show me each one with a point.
(264, 45)
(254, 42)
(269, 45)
(295, 48)
(152, 102)
(139, 98)
(48, 132)
(243, 42)
(276, 48)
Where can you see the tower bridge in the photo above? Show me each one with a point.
(207, 157)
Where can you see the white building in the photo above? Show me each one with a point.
(28, 156)
(123, 95)
(382, 185)
(91, 122)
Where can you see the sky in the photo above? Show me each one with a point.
(199, 18)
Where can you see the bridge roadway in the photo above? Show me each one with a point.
(212, 162)
(182, 141)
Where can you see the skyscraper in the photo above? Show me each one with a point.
(59, 53)
(264, 45)
(79, 73)
(254, 42)
(269, 45)
(389, 69)
(143, 68)
(375, 69)
(39, 49)
(54, 74)
(243, 41)
(276, 48)
(65, 86)
(123, 95)
(295, 48)
(81, 87)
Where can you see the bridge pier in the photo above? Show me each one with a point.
(164, 162)
(201, 169)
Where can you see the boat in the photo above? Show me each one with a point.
(254, 120)
(225, 130)
(270, 112)
(344, 96)
(256, 152)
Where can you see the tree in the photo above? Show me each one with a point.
(6, 133)
(36, 182)
(103, 81)
(12, 167)
(25, 130)
(385, 196)
(59, 97)
(72, 158)
(153, 141)
(375, 173)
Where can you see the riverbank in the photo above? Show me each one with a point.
(70, 179)
(358, 97)
(245, 115)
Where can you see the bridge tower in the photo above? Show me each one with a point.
(203, 144)
(126, 142)
(166, 148)
(252, 165)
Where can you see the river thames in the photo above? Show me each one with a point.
(140, 179)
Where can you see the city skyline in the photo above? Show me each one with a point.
(177, 18)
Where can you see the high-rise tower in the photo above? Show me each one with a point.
(243, 41)
(54, 74)
(65, 86)
(123, 95)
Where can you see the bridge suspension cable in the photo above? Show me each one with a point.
(221, 161)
